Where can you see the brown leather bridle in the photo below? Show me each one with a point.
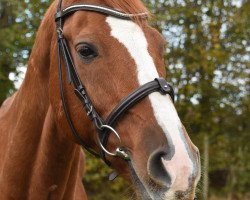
(103, 127)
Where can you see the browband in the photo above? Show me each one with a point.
(100, 9)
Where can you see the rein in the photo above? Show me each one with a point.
(103, 127)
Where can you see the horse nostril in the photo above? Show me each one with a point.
(156, 169)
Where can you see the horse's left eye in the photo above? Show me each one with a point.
(87, 52)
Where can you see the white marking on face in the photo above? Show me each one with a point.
(132, 37)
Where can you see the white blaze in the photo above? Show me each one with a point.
(132, 37)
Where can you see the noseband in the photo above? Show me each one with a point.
(103, 127)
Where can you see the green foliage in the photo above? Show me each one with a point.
(6, 47)
(97, 184)
(207, 61)
(19, 21)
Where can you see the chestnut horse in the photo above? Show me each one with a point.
(107, 50)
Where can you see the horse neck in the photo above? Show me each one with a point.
(35, 158)
(58, 167)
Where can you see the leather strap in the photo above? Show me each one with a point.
(65, 108)
(158, 85)
(99, 9)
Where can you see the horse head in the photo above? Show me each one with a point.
(112, 56)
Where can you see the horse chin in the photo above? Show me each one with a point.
(151, 191)
(155, 194)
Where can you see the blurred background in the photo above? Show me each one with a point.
(207, 61)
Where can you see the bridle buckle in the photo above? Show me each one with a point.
(90, 110)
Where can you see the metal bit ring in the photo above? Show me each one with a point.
(116, 134)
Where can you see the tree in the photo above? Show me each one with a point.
(7, 20)
(19, 21)
(208, 63)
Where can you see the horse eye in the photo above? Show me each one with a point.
(86, 51)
